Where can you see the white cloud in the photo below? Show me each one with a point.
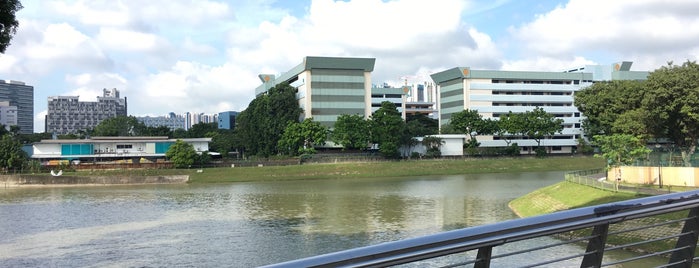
(121, 39)
(646, 32)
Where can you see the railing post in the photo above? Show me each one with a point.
(483, 257)
(595, 247)
(684, 257)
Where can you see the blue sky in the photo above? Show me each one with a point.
(204, 55)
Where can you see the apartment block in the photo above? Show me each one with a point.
(68, 115)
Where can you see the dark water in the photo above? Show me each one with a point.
(242, 224)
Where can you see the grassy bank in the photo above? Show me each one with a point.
(568, 195)
(562, 196)
(395, 169)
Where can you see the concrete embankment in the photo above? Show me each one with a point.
(37, 180)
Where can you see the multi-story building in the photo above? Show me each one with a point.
(172, 121)
(327, 87)
(66, 114)
(226, 120)
(395, 95)
(493, 93)
(8, 114)
(21, 96)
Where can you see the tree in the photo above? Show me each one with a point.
(162, 131)
(419, 125)
(433, 146)
(508, 125)
(261, 125)
(8, 22)
(299, 138)
(11, 154)
(181, 154)
(351, 131)
(221, 141)
(539, 124)
(471, 123)
(120, 126)
(672, 106)
(621, 149)
(612, 107)
(387, 128)
(200, 130)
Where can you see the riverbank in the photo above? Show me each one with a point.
(568, 195)
(379, 169)
(562, 196)
(24, 180)
(389, 169)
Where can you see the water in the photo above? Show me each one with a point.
(242, 224)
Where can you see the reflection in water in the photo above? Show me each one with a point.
(242, 224)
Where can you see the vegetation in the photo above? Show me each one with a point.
(260, 126)
(8, 22)
(664, 108)
(621, 149)
(394, 169)
(387, 125)
(181, 154)
(535, 124)
(351, 131)
(300, 138)
(11, 155)
(562, 196)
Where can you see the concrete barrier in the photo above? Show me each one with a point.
(37, 180)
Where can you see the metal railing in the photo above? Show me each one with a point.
(665, 225)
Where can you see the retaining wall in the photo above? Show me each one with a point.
(36, 180)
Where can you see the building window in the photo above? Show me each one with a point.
(124, 146)
(556, 148)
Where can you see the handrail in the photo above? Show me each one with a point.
(484, 238)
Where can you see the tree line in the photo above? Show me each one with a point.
(622, 117)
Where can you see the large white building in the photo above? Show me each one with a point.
(107, 149)
(494, 93)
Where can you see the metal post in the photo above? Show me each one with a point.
(483, 257)
(684, 257)
(595, 247)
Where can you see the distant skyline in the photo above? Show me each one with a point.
(203, 56)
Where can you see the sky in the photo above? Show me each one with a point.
(204, 56)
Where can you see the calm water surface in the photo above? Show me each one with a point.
(242, 224)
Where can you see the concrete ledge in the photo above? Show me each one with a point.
(34, 180)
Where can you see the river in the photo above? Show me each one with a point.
(242, 224)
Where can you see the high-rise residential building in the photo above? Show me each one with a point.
(8, 114)
(327, 87)
(494, 93)
(21, 96)
(226, 120)
(66, 114)
(172, 121)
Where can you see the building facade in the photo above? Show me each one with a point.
(68, 115)
(226, 120)
(8, 114)
(494, 93)
(110, 149)
(327, 87)
(170, 121)
(21, 96)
